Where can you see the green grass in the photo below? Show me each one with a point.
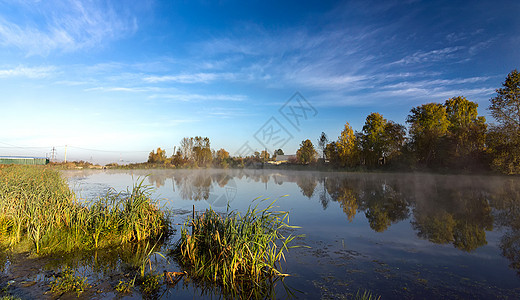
(242, 254)
(38, 211)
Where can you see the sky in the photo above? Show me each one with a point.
(109, 81)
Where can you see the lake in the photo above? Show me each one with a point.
(396, 235)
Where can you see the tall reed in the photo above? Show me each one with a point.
(37, 205)
(240, 253)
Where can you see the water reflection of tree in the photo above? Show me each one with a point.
(342, 191)
(307, 184)
(157, 179)
(324, 196)
(457, 214)
(382, 202)
(507, 202)
(193, 186)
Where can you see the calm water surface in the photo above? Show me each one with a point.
(401, 236)
(397, 235)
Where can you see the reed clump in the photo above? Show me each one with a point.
(37, 208)
(241, 253)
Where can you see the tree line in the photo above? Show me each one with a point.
(196, 152)
(449, 135)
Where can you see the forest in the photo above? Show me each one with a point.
(448, 136)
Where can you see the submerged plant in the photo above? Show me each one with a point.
(240, 253)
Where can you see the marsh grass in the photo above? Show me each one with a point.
(241, 253)
(36, 205)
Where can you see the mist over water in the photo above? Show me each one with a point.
(398, 235)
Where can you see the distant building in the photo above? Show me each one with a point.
(282, 159)
(23, 160)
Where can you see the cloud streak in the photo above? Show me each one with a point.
(28, 72)
(199, 97)
(63, 26)
(190, 78)
(429, 56)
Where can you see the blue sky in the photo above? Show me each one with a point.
(114, 80)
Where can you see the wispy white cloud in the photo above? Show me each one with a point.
(28, 72)
(190, 78)
(424, 84)
(325, 81)
(45, 26)
(198, 97)
(429, 56)
(122, 89)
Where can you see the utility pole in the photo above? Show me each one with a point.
(65, 153)
(53, 154)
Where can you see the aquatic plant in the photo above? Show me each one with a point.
(240, 253)
(125, 287)
(37, 205)
(149, 284)
(366, 295)
(68, 282)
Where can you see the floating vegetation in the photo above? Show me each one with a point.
(39, 212)
(67, 281)
(125, 287)
(242, 254)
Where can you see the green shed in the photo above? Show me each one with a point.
(23, 160)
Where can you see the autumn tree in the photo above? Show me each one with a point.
(306, 154)
(264, 155)
(177, 159)
(331, 153)
(222, 158)
(505, 136)
(372, 139)
(428, 125)
(202, 151)
(466, 131)
(158, 157)
(346, 147)
(395, 137)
